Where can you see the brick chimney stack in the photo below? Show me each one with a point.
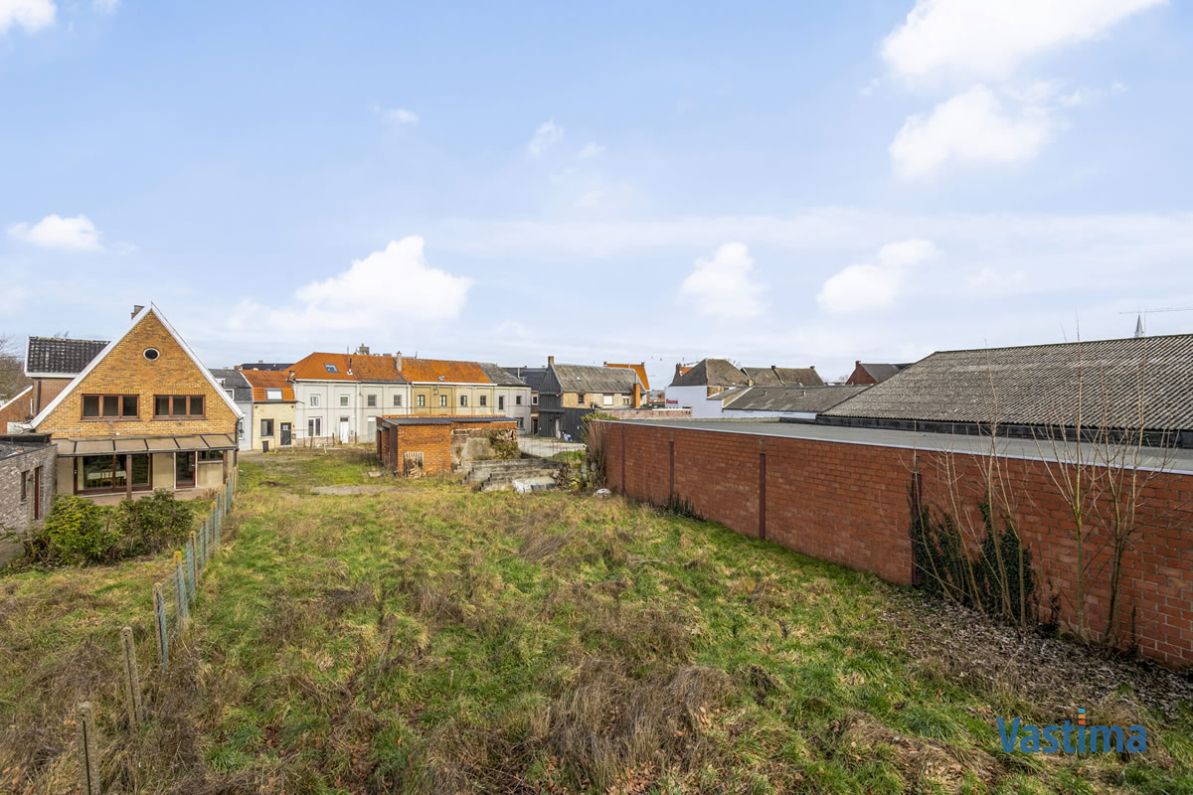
(550, 361)
(136, 310)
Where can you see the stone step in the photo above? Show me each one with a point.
(520, 484)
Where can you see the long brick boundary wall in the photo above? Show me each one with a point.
(850, 504)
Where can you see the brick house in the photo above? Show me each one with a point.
(26, 487)
(50, 364)
(143, 414)
(694, 385)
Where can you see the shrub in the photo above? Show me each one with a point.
(76, 531)
(504, 443)
(152, 523)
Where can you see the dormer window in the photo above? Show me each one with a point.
(273, 394)
(331, 368)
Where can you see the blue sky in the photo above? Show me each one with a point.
(778, 183)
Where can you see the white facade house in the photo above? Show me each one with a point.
(338, 397)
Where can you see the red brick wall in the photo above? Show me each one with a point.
(849, 504)
(434, 441)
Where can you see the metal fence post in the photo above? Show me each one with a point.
(191, 582)
(132, 677)
(180, 589)
(88, 751)
(163, 630)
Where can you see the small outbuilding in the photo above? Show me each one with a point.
(415, 446)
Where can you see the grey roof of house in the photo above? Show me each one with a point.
(777, 376)
(594, 378)
(712, 372)
(531, 376)
(722, 372)
(500, 376)
(232, 379)
(60, 355)
(791, 398)
(265, 366)
(1123, 383)
(881, 371)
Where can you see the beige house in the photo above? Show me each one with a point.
(143, 414)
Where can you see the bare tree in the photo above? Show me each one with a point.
(12, 371)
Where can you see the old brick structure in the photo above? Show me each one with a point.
(413, 446)
(26, 486)
(843, 495)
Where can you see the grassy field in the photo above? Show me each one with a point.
(423, 638)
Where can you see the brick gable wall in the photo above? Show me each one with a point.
(125, 370)
(850, 504)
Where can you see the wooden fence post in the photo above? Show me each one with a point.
(163, 629)
(132, 678)
(88, 751)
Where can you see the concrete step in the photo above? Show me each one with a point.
(499, 474)
(520, 484)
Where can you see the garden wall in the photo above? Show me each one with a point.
(849, 503)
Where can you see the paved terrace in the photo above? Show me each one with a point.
(1175, 460)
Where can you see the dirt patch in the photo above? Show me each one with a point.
(1054, 674)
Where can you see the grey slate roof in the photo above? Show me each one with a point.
(712, 372)
(776, 376)
(722, 372)
(232, 379)
(1106, 383)
(265, 366)
(881, 371)
(500, 376)
(792, 398)
(531, 376)
(593, 378)
(60, 355)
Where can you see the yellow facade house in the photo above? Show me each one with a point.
(273, 408)
(144, 414)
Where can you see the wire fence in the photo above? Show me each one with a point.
(173, 600)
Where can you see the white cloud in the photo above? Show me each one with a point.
(395, 280)
(973, 127)
(398, 117)
(874, 285)
(75, 233)
(591, 149)
(32, 15)
(724, 286)
(547, 135)
(991, 40)
(106, 6)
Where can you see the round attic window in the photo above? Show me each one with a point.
(152, 353)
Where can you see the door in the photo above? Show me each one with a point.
(285, 431)
(343, 430)
(184, 470)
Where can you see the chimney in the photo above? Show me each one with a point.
(637, 400)
(136, 310)
(398, 360)
(550, 361)
(363, 350)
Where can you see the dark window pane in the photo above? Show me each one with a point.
(128, 406)
(111, 405)
(90, 405)
(179, 408)
(196, 405)
(141, 469)
(95, 472)
(161, 406)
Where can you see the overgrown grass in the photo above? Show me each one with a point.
(431, 639)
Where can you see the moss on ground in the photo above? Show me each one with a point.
(432, 639)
